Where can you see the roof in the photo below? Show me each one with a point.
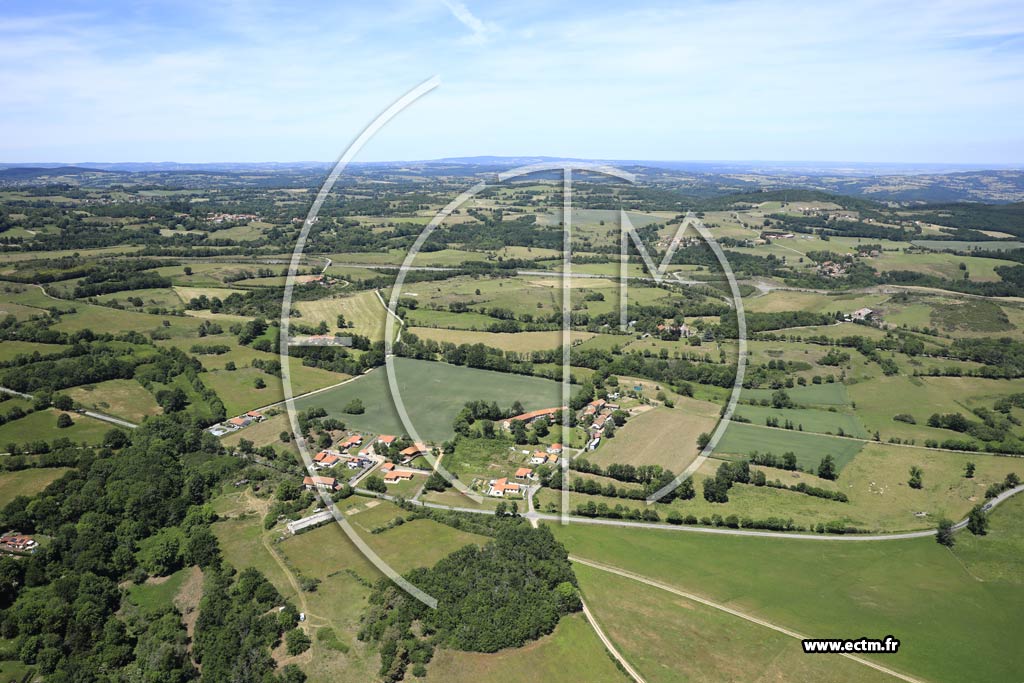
(240, 421)
(388, 466)
(543, 412)
(397, 474)
(523, 472)
(386, 439)
(319, 481)
(414, 449)
(504, 484)
(351, 441)
(254, 413)
(555, 447)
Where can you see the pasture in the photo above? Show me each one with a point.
(671, 639)
(522, 342)
(951, 626)
(661, 436)
(744, 439)
(811, 420)
(433, 394)
(28, 482)
(572, 652)
(42, 426)
(363, 312)
(123, 398)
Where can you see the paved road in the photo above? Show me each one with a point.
(736, 613)
(534, 517)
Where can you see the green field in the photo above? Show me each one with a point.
(572, 653)
(158, 592)
(951, 626)
(744, 439)
(670, 639)
(123, 398)
(42, 426)
(662, 436)
(27, 482)
(834, 394)
(519, 341)
(433, 394)
(819, 421)
(996, 557)
(11, 348)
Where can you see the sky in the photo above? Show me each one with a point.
(213, 80)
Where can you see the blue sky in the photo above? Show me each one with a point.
(262, 81)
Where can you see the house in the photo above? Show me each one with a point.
(239, 422)
(525, 473)
(325, 459)
(413, 451)
(348, 442)
(387, 467)
(322, 483)
(386, 439)
(862, 314)
(255, 415)
(501, 487)
(531, 416)
(538, 458)
(397, 475)
(598, 424)
(555, 448)
(19, 542)
(594, 443)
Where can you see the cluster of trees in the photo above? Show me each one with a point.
(652, 478)
(537, 589)
(118, 516)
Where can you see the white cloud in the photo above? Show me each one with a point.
(481, 30)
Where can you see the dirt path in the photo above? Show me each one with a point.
(736, 613)
(611, 648)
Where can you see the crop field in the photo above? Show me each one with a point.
(951, 626)
(88, 316)
(670, 639)
(123, 398)
(785, 300)
(744, 439)
(662, 436)
(433, 394)
(572, 652)
(27, 482)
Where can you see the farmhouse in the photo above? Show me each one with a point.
(531, 416)
(502, 487)
(19, 542)
(322, 483)
(862, 314)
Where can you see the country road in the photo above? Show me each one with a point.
(535, 517)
